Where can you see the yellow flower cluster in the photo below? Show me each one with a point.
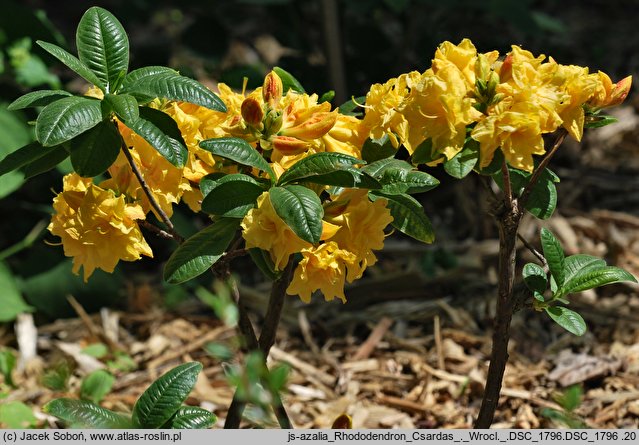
(506, 105)
(352, 228)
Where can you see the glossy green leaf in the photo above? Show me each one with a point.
(165, 396)
(600, 121)
(12, 302)
(317, 164)
(408, 215)
(264, 262)
(23, 156)
(463, 162)
(424, 153)
(170, 85)
(85, 414)
(164, 122)
(288, 81)
(198, 253)
(96, 385)
(593, 277)
(237, 150)
(577, 264)
(327, 97)
(171, 149)
(67, 118)
(93, 152)
(51, 157)
(397, 180)
(376, 149)
(535, 278)
(138, 76)
(353, 107)
(37, 99)
(192, 418)
(554, 254)
(123, 105)
(209, 182)
(301, 209)
(73, 63)
(376, 169)
(567, 319)
(103, 46)
(233, 196)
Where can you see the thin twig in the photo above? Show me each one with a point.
(535, 252)
(155, 229)
(525, 195)
(27, 241)
(508, 191)
(147, 191)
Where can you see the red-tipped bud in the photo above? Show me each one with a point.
(313, 128)
(506, 70)
(272, 89)
(252, 112)
(289, 145)
(620, 91)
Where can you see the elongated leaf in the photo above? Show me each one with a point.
(172, 86)
(73, 63)
(376, 169)
(424, 153)
(37, 99)
(349, 177)
(535, 278)
(554, 254)
(263, 261)
(164, 122)
(463, 162)
(301, 209)
(233, 196)
(85, 414)
(317, 164)
(376, 149)
(7, 364)
(23, 156)
(209, 182)
(171, 149)
(198, 253)
(353, 107)
(52, 157)
(288, 81)
(238, 150)
(165, 396)
(12, 302)
(66, 118)
(93, 152)
(397, 180)
(103, 46)
(192, 418)
(141, 74)
(567, 319)
(600, 121)
(577, 264)
(595, 277)
(123, 105)
(96, 385)
(408, 215)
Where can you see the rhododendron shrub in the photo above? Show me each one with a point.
(308, 190)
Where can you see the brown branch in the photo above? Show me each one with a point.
(147, 191)
(155, 229)
(508, 191)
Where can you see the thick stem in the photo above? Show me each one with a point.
(264, 344)
(508, 224)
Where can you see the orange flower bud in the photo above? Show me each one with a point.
(609, 94)
(506, 70)
(272, 89)
(313, 128)
(288, 145)
(620, 91)
(252, 112)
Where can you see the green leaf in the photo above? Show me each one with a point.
(376, 169)
(233, 196)
(567, 319)
(599, 121)
(535, 278)
(463, 162)
(163, 398)
(554, 254)
(12, 301)
(318, 164)
(288, 81)
(37, 99)
(577, 264)
(424, 153)
(408, 215)
(140, 75)
(123, 105)
(353, 107)
(495, 165)
(376, 149)
(7, 364)
(103, 46)
(192, 418)
(592, 277)
(73, 63)
(85, 414)
(238, 150)
(398, 180)
(170, 85)
(97, 350)
(67, 118)
(96, 385)
(198, 253)
(327, 97)
(543, 197)
(209, 182)
(263, 261)
(51, 157)
(301, 209)
(164, 122)
(16, 415)
(171, 149)
(93, 152)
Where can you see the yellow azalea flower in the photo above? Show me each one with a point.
(97, 228)
(263, 228)
(362, 229)
(579, 87)
(162, 177)
(347, 137)
(321, 268)
(462, 56)
(608, 94)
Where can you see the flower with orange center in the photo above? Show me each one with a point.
(97, 228)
